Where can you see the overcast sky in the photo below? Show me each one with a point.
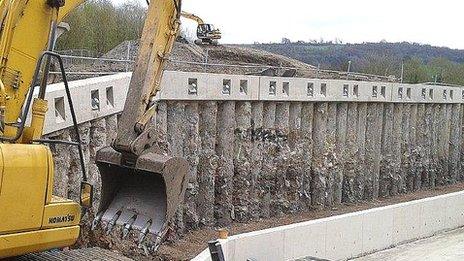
(246, 21)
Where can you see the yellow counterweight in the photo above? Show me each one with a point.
(31, 218)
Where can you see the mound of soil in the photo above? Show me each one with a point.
(223, 59)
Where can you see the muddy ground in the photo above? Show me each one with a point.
(195, 242)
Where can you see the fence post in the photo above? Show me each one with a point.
(206, 61)
(128, 55)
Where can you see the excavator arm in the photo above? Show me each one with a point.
(158, 37)
(193, 17)
(19, 52)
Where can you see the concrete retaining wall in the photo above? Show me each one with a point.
(348, 236)
(261, 147)
(97, 103)
(93, 98)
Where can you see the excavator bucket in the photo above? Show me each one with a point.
(141, 194)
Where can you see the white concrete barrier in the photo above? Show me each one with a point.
(203, 256)
(350, 235)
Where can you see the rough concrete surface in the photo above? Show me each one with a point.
(260, 159)
(207, 163)
(242, 162)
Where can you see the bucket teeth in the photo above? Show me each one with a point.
(113, 222)
(144, 232)
(145, 250)
(157, 244)
(128, 226)
(97, 220)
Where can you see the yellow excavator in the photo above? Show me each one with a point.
(206, 33)
(141, 187)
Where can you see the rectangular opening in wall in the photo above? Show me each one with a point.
(383, 91)
(226, 86)
(192, 86)
(375, 91)
(60, 113)
(95, 100)
(408, 93)
(273, 88)
(431, 94)
(244, 87)
(451, 94)
(310, 90)
(400, 93)
(462, 94)
(109, 97)
(286, 88)
(323, 89)
(356, 90)
(346, 90)
(445, 95)
(424, 93)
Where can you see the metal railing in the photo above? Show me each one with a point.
(318, 71)
(205, 64)
(96, 59)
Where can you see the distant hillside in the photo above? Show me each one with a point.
(336, 56)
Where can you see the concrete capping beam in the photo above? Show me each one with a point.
(204, 86)
(298, 89)
(102, 96)
(93, 98)
(350, 235)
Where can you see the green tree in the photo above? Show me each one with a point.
(383, 64)
(446, 71)
(415, 71)
(99, 26)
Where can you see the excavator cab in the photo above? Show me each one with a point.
(207, 33)
(204, 29)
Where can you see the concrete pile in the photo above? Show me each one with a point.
(273, 158)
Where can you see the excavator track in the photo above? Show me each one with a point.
(74, 255)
